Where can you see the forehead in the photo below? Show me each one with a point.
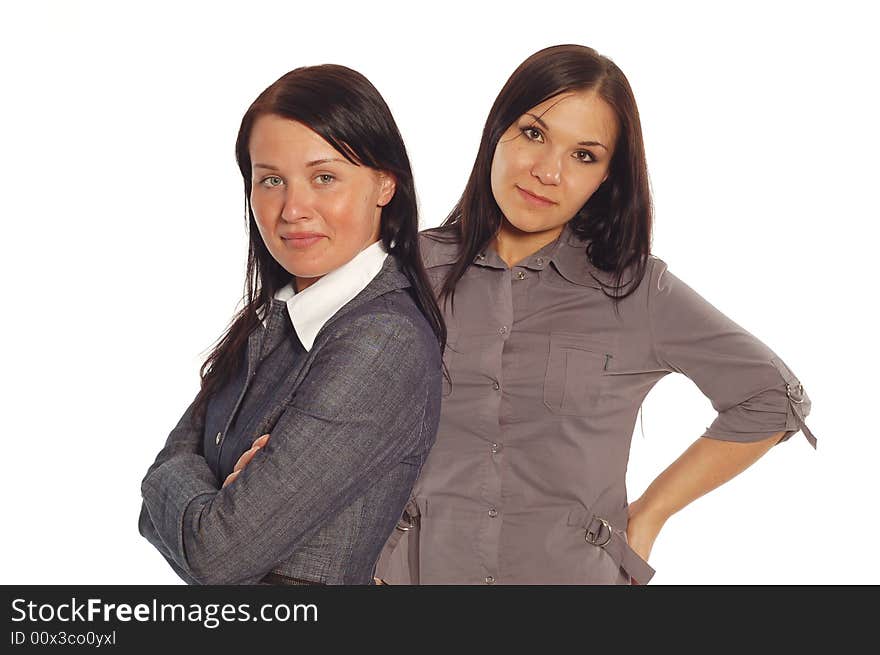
(578, 116)
(274, 136)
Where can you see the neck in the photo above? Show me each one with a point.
(514, 245)
(303, 283)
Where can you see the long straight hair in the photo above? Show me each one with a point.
(617, 219)
(345, 109)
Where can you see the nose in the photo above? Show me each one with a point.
(296, 203)
(547, 170)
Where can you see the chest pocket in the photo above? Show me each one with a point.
(576, 374)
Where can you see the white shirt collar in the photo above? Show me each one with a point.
(312, 307)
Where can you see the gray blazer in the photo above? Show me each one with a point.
(351, 421)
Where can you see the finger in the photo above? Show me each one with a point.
(241, 461)
(246, 457)
(261, 441)
(231, 478)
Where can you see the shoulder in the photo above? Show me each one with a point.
(578, 260)
(390, 323)
(664, 282)
(374, 362)
(439, 246)
(656, 270)
(394, 313)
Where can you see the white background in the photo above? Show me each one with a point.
(123, 244)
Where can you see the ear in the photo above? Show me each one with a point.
(387, 187)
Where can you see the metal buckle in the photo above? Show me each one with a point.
(800, 393)
(409, 525)
(588, 534)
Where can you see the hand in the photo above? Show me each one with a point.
(642, 530)
(246, 457)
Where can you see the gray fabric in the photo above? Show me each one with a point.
(351, 423)
(536, 426)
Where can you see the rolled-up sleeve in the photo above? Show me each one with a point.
(357, 413)
(754, 392)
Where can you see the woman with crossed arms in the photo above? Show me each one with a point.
(328, 380)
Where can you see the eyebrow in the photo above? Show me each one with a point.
(580, 143)
(314, 162)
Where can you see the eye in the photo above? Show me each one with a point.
(532, 133)
(271, 181)
(584, 155)
(324, 178)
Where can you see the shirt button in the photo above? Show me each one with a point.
(520, 275)
(489, 579)
(481, 256)
(539, 261)
(502, 329)
(496, 386)
(493, 513)
(495, 448)
(218, 438)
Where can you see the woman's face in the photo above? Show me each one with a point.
(315, 210)
(551, 159)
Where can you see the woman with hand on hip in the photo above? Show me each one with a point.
(560, 322)
(337, 352)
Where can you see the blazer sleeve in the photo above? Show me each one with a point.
(148, 531)
(183, 439)
(356, 414)
(754, 392)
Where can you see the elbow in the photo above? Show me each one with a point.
(773, 415)
(797, 406)
(222, 575)
(207, 578)
(201, 561)
(213, 563)
(144, 522)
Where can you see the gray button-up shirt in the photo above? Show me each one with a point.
(526, 481)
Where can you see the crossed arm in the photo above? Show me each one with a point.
(356, 414)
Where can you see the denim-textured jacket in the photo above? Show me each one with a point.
(351, 423)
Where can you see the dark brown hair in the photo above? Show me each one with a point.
(617, 219)
(346, 110)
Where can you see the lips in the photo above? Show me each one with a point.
(534, 198)
(301, 239)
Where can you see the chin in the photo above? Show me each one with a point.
(297, 269)
(306, 272)
(532, 226)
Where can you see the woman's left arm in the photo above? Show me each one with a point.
(705, 465)
(754, 392)
(357, 414)
(759, 400)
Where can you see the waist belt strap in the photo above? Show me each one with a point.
(601, 534)
(408, 523)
